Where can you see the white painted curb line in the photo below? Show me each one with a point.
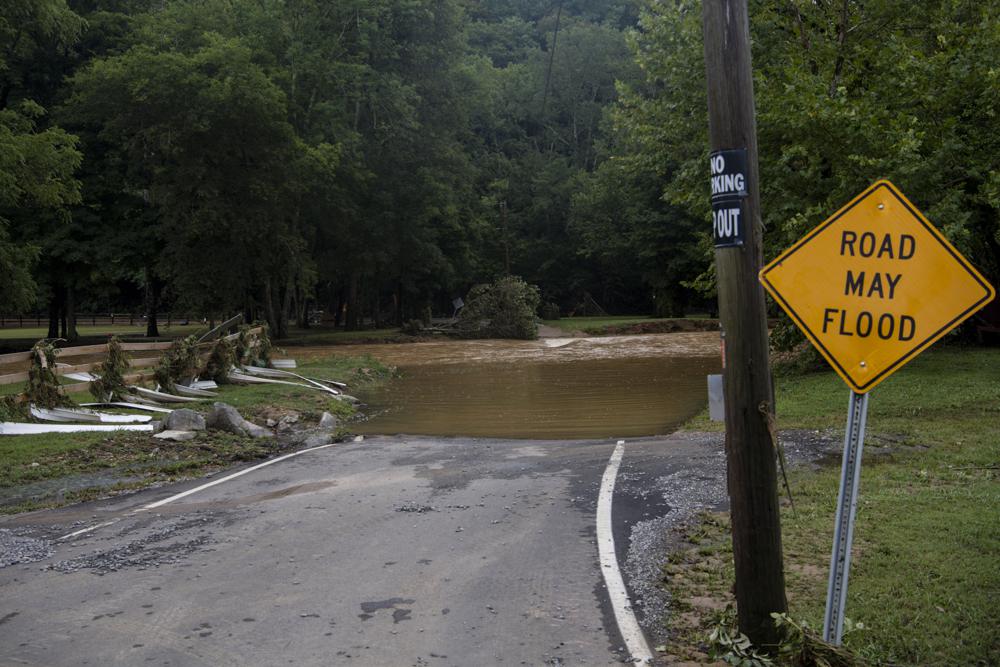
(628, 625)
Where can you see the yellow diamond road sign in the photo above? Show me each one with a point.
(875, 285)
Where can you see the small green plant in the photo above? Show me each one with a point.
(792, 353)
(43, 386)
(220, 361)
(110, 385)
(253, 349)
(264, 346)
(371, 371)
(13, 408)
(179, 362)
(733, 647)
(800, 646)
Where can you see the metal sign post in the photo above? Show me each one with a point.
(847, 505)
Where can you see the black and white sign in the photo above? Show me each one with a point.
(729, 189)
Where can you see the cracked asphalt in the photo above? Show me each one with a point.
(392, 551)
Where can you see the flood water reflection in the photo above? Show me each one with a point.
(623, 386)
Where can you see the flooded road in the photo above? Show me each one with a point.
(552, 388)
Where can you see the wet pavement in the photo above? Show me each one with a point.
(400, 550)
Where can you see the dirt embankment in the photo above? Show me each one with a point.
(657, 326)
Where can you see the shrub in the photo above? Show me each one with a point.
(504, 309)
(253, 350)
(179, 362)
(14, 409)
(791, 353)
(413, 327)
(110, 385)
(43, 386)
(222, 359)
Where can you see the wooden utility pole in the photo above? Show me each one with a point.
(750, 449)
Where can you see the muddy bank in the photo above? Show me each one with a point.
(564, 348)
(664, 326)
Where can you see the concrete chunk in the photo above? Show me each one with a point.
(185, 419)
(176, 436)
(225, 417)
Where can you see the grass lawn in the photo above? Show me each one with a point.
(145, 460)
(924, 579)
(85, 330)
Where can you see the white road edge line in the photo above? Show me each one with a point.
(628, 625)
(184, 494)
(82, 531)
(161, 503)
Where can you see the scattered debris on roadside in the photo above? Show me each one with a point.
(19, 549)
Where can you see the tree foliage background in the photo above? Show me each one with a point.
(373, 159)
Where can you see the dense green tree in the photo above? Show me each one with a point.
(37, 161)
(846, 93)
(37, 186)
(35, 35)
(374, 158)
(539, 128)
(206, 139)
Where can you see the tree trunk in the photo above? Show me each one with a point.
(506, 237)
(269, 313)
(55, 306)
(286, 310)
(399, 303)
(71, 332)
(62, 312)
(302, 314)
(352, 303)
(341, 304)
(153, 288)
(294, 305)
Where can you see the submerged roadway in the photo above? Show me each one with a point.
(391, 551)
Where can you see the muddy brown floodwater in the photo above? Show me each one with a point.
(553, 388)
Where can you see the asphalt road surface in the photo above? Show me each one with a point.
(391, 551)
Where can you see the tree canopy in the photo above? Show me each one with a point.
(376, 159)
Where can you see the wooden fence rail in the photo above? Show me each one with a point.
(17, 358)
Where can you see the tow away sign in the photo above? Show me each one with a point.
(874, 286)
